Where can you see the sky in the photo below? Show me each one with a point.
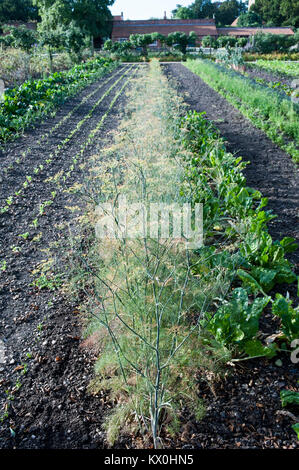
(145, 9)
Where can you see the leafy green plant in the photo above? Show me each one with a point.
(3, 265)
(270, 112)
(236, 322)
(215, 178)
(51, 283)
(289, 316)
(284, 68)
(24, 235)
(35, 98)
(289, 397)
(296, 429)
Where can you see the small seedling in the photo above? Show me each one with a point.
(9, 200)
(35, 223)
(16, 249)
(3, 265)
(24, 235)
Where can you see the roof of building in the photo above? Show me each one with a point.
(30, 25)
(233, 31)
(202, 27)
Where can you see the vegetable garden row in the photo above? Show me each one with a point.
(165, 322)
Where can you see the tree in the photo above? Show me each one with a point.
(267, 43)
(21, 37)
(290, 11)
(199, 9)
(51, 40)
(225, 12)
(250, 19)
(89, 15)
(54, 15)
(159, 37)
(209, 41)
(118, 47)
(192, 38)
(92, 16)
(226, 41)
(73, 39)
(17, 10)
(278, 12)
(228, 11)
(241, 42)
(183, 13)
(181, 40)
(141, 40)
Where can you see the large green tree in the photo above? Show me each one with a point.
(228, 11)
(17, 10)
(93, 17)
(278, 12)
(198, 9)
(89, 15)
(225, 12)
(251, 18)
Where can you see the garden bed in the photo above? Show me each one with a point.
(44, 386)
(41, 328)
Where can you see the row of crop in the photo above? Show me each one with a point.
(29, 178)
(58, 182)
(277, 86)
(238, 240)
(234, 60)
(34, 99)
(46, 135)
(276, 116)
(31, 235)
(237, 215)
(285, 68)
(164, 312)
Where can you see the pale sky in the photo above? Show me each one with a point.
(145, 9)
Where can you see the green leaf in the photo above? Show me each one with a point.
(296, 429)
(254, 348)
(249, 281)
(288, 397)
(289, 244)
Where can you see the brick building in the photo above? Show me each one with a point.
(29, 25)
(246, 32)
(122, 30)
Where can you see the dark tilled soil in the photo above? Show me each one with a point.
(271, 170)
(245, 410)
(15, 167)
(43, 382)
(256, 72)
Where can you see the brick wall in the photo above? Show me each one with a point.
(124, 29)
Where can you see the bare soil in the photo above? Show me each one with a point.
(43, 384)
(245, 411)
